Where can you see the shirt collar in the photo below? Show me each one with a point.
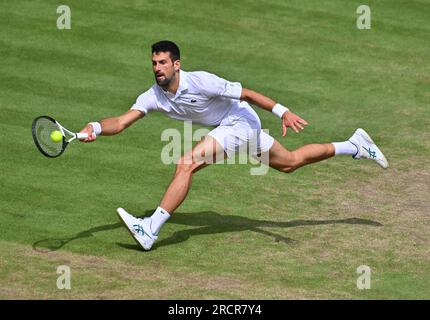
(183, 84)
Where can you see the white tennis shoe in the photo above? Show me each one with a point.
(367, 148)
(140, 229)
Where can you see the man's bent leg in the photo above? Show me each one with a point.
(204, 153)
(359, 146)
(287, 161)
(145, 231)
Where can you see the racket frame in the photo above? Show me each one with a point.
(63, 130)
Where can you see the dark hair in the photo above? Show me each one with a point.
(167, 46)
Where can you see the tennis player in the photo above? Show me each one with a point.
(207, 99)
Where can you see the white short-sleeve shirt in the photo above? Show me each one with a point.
(202, 97)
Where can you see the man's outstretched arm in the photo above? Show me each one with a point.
(289, 119)
(113, 125)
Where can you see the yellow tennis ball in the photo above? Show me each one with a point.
(56, 136)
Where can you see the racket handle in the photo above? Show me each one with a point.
(82, 135)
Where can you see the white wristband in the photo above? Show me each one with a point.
(97, 128)
(279, 110)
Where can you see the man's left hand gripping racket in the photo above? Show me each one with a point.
(42, 129)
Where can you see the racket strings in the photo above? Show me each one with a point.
(42, 130)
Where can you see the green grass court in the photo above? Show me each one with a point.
(237, 236)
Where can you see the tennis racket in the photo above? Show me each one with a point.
(42, 128)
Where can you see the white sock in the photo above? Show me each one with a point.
(158, 218)
(345, 147)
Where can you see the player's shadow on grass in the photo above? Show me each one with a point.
(210, 222)
(53, 244)
(207, 222)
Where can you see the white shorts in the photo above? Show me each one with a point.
(241, 131)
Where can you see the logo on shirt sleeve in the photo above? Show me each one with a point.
(193, 100)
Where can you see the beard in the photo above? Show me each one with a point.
(163, 82)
